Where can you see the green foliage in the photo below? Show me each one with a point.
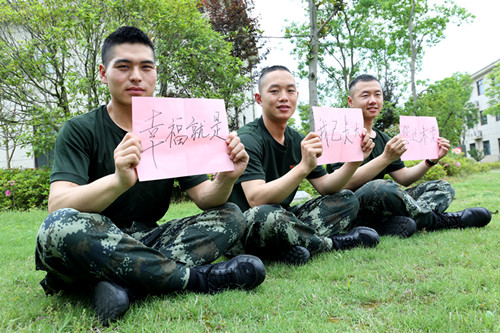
(306, 186)
(493, 91)
(476, 154)
(448, 101)
(305, 126)
(349, 44)
(24, 189)
(51, 53)
(452, 165)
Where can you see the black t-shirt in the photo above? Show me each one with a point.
(84, 152)
(269, 160)
(380, 141)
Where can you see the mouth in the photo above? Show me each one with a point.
(135, 90)
(283, 108)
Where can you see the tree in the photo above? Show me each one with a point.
(493, 91)
(51, 51)
(352, 42)
(310, 48)
(413, 25)
(233, 20)
(448, 101)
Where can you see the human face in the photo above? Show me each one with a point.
(278, 96)
(368, 97)
(131, 72)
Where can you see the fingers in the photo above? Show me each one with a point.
(236, 149)
(312, 145)
(367, 143)
(128, 152)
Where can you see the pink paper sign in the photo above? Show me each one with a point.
(180, 137)
(340, 131)
(421, 134)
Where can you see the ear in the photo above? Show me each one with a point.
(102, 74)
(258, 98)
(349, 101)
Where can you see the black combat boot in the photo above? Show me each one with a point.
(359, 236)
(241, 272)
(110, 301)
(467, 218)
(295, 255)
(401, 226)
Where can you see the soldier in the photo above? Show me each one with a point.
(280, 158)
(102, 229)
(384, 205)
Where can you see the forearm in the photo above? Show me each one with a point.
(276, 191)
(366, 173)
(337, 180)
(91, 198)
(413, 174)
(210, 194)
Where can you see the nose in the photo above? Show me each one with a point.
(283, 96)
(135, 74)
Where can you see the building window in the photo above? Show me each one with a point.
(486, 145)
(498, 117)
(484, 118)
(480, 87)
(472, 146)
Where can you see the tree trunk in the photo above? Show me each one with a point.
(413, 57)
(313, 62)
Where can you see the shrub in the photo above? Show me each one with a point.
(476, 154)
(24, 189)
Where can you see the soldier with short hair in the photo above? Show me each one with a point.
(384, 204)
(102, 231)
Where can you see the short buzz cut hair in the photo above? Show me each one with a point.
(270, 69)
(122, 35)
(362, 78)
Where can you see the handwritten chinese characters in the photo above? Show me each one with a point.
(421, 134)
(180, 137)
(340, 131)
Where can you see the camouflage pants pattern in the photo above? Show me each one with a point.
(379, 198)
(272, 228)
(82, 248)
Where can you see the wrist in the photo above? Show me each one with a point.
(430, 163)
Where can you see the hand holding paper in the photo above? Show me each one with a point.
(180, 137)
(421, 135)
(340, 131)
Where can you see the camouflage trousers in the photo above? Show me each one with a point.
(379, 198)
(79, 249)
(272, 228)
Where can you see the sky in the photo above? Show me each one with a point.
(467, 48)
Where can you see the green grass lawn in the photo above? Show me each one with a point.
(444, 281)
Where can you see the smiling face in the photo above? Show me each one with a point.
(277, 95)
(131, 72)
(368, 97)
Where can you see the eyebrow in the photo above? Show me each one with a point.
(368, 91)
(130, 61)
(275, 85)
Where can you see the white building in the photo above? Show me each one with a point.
(484, 136)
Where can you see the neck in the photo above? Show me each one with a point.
(276, 129)
(121, 115)
(368, 123)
